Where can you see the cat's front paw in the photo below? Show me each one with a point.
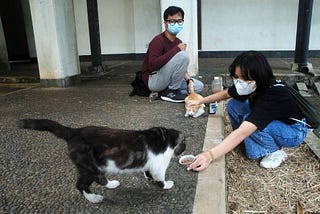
(168, 184)
(199, 112)
(93, 198)
(112, 184)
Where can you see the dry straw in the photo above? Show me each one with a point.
(294, 187)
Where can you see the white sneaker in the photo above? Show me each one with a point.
(274, 159)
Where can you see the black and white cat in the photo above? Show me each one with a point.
(95, 150)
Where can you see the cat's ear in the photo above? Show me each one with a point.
(180, 144)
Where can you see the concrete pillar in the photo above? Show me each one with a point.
(189, 34)
(4, 62)
(56, 45)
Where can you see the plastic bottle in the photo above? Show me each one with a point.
(215, 86)
(213, 107)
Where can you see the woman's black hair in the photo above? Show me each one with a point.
(172, 10)
(253, 66)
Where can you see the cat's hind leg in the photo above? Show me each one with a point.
(101, 179)
(83, 183)
(148, 175)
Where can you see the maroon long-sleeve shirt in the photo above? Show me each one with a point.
(160, 51)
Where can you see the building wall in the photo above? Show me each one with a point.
(82, 27)
(147, 22)
(127, 26)
(231, 25)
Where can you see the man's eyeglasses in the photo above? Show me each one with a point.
(173, 21)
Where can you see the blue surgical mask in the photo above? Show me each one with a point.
(175, 29)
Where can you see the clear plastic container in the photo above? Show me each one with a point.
(216, 85)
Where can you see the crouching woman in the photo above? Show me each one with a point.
(262, 112)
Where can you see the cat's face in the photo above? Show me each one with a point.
(181, 145)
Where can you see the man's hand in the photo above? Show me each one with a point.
(182, 46)
(190, 86)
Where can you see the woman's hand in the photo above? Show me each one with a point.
(202, 161)
(192, 103)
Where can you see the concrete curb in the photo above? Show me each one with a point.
(313, 142)
(211, 188)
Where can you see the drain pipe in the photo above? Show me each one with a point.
(302, 38)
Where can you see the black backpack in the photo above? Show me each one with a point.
(139, 88)
(307, 109)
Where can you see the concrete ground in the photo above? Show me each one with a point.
(36, 175)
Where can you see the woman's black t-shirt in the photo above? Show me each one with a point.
(274, 103)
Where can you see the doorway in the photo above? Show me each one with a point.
(14, 30)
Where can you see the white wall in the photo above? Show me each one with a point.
(147, 22)
(82, 27)
(116, 26)
(231, 25)
(315, 27)
(127, 26)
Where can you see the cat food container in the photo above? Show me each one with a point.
(186, 159)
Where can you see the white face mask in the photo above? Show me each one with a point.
(243, 87)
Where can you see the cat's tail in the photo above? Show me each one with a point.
(55, 128)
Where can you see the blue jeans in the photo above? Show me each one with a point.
(171, 75)
(274, 136)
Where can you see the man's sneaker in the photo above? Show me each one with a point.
(173, 96)
(274, 159)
